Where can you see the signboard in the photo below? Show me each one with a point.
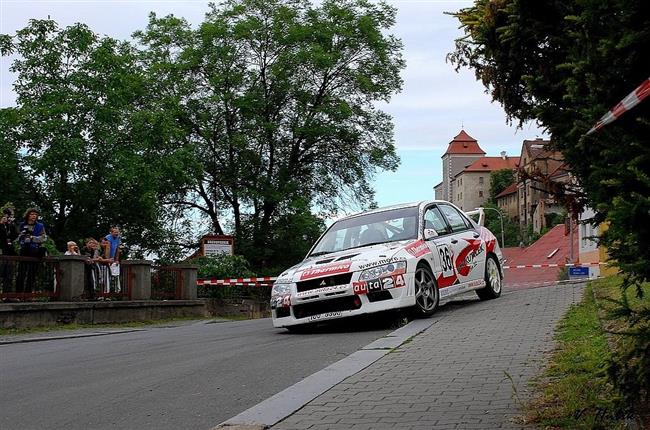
(217, 245)
(578, 272)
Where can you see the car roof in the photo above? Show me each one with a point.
(393, 207)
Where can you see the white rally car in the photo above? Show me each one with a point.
(406, 256)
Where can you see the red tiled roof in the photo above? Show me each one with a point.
(489, 164)
(538, 253)
(510, 189)
(463, 143)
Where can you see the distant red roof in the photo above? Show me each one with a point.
(463, 143)
(511, 189)
(555, 244)
(489, 164)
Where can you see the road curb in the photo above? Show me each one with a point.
(279, 406)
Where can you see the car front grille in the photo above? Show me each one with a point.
(378, 296)
(328, 281)
(346, 303)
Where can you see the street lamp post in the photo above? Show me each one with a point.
(503, 242)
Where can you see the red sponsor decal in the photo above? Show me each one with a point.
(466, 258)
(417, 249)
(447, 281)
(286, 301)
(360, 287)
(330, 269)
(398, 281)
(489, 238)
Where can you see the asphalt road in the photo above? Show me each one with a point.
(192, 376)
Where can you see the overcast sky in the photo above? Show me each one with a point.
(433, 105)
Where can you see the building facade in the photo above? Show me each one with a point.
(536, 159)
(508, 201)
(472, 185)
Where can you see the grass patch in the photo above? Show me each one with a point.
(575, 391)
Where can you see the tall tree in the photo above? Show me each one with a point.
(564, 64)
(278, 100)
(78, 136)
(499, 181)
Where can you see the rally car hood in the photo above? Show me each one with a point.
(350, 260)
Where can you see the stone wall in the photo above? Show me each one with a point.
(28, 315)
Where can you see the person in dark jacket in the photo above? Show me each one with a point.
(31, 238)
(8, 234)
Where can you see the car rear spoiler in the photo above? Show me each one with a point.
(480, 213)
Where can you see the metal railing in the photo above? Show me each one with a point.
(257, 293)
(101, 284)
(29, 279)
(166, 283)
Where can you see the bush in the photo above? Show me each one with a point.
(222, 267)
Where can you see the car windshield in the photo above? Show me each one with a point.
(379, 227)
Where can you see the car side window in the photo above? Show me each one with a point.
(456, 221)
(433, 219)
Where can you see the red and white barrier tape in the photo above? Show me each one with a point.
(267, 281)
(537, 266)
(246, 282)
(632, 99)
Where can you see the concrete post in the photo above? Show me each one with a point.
(72, 269)
(139, 278)
(189, 272)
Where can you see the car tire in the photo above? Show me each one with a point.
(427, 295)
(493, 281)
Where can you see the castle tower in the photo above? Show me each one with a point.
(461, 152)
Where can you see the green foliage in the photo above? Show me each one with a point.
(292, 234)
(285, 111)
(82, 150)
(511, 230)
(565, 64)
(264, 111)
(574, 391)
(499, 181)
(223, 267)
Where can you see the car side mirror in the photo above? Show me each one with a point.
(430, 233)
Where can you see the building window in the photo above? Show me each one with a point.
(480, 193)
(480, 179)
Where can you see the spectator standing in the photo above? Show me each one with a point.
(31, 238)
(115, 240)
(8, 233)
(93, 267)
(113, 253)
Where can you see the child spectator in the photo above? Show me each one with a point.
(73, 249)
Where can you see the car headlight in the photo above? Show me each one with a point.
(281, 289)
(396, 268)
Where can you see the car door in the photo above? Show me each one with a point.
(442, 250)
(467, 246)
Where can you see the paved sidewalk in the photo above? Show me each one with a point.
(467, 371)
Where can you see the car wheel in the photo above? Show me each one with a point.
(492, 288)
(427, 295)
